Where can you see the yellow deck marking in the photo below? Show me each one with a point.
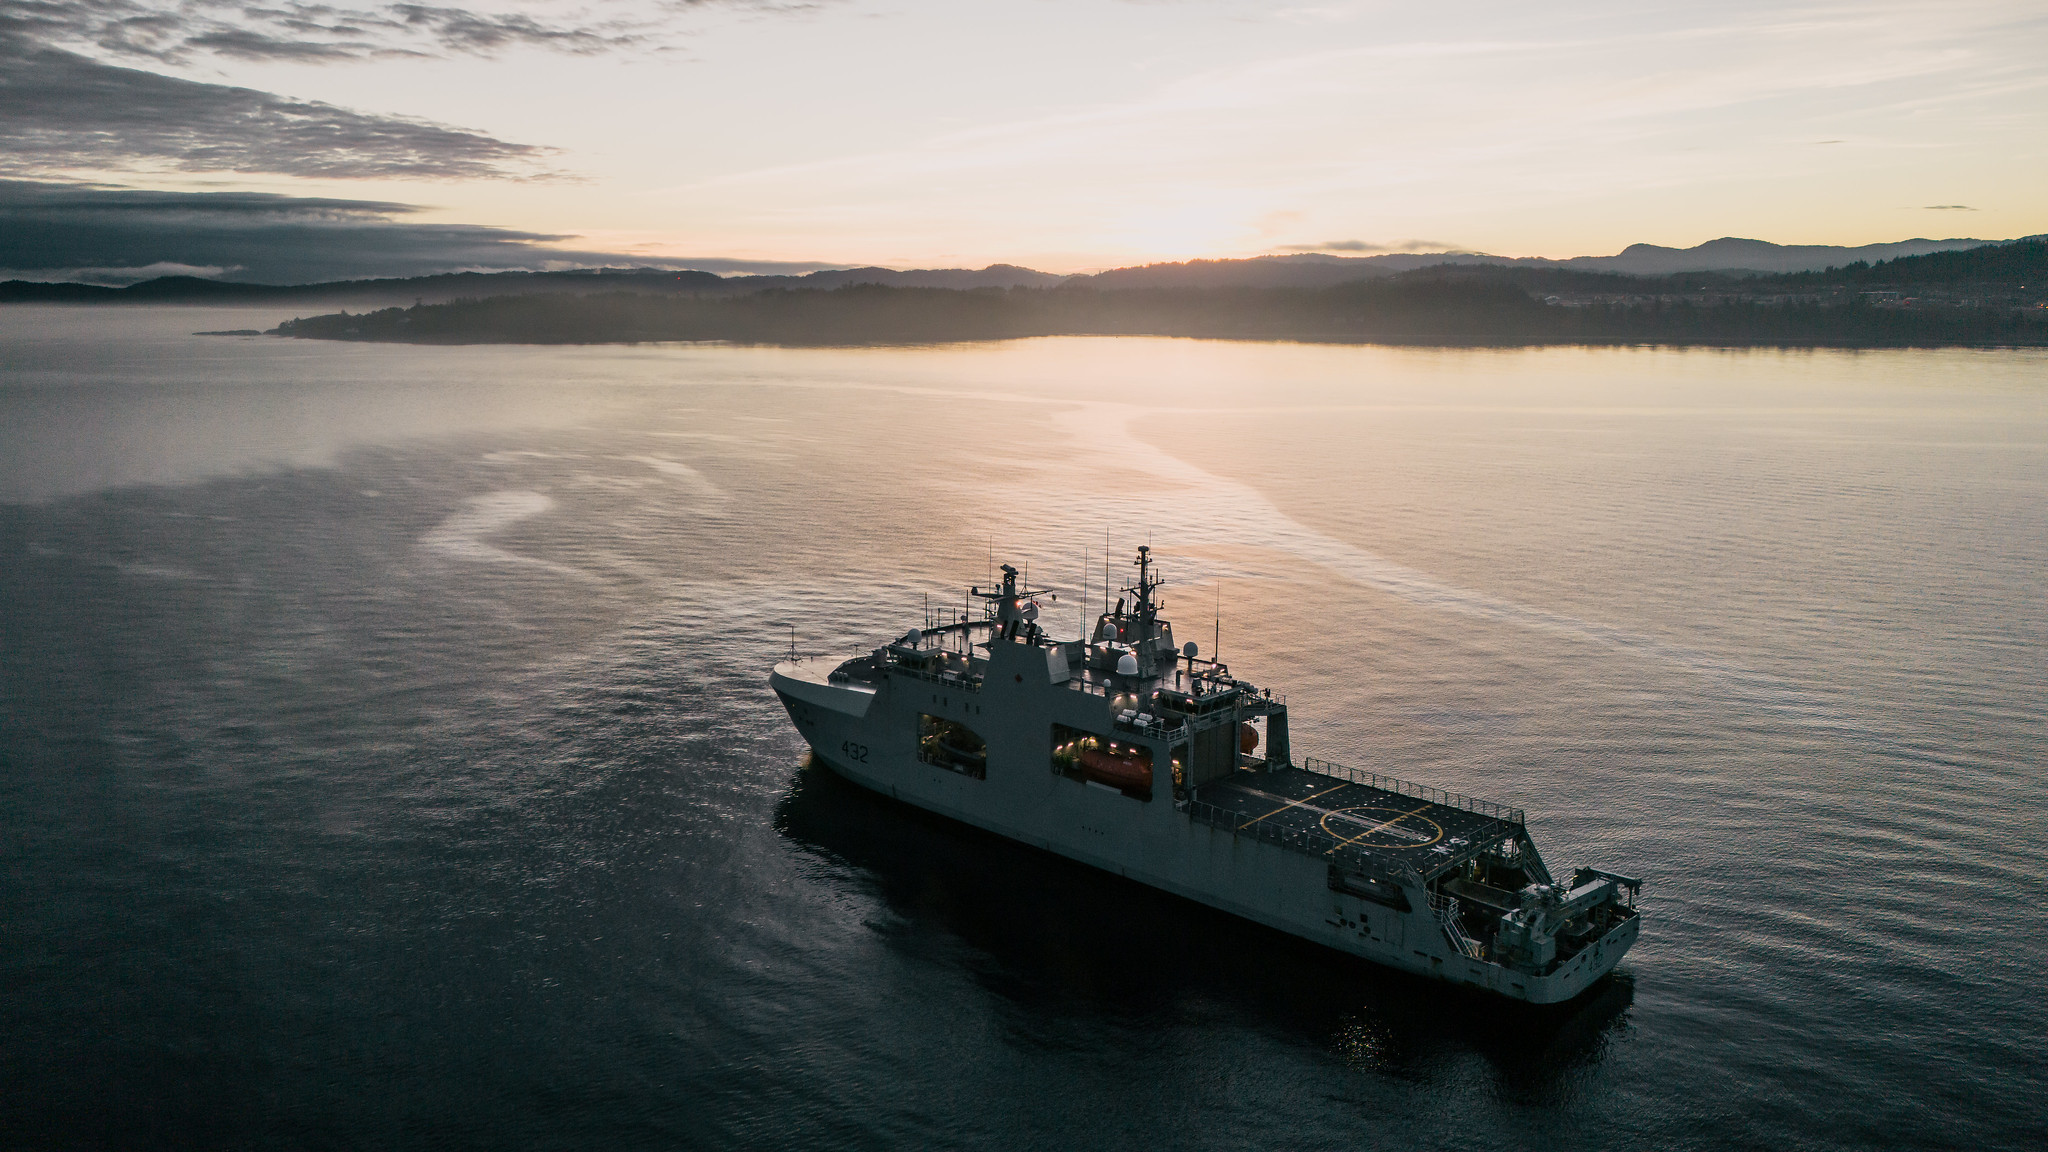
(1349, 813)
(1291, 804)
(1384, 823)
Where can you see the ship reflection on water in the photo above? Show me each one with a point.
(1062, 944)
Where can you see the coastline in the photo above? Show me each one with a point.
(1412, 314)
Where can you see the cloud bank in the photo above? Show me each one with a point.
(174, 31)
(62, 111)
(65, 108)
(1369, 246)
(98, 235)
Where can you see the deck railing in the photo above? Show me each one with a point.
(1419, 791)
(1255, 703)
(948, 678)
(1446, 909)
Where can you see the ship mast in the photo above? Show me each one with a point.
(1146, 609)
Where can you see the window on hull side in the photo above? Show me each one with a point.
(1117, 763)
(951, 745)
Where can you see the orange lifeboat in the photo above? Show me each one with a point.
(1131, 769)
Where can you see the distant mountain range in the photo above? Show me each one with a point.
(1729, 254)
(1732, 254)
(993, 276)
(458, 285)
(1726, 256)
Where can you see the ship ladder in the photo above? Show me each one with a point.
(1446, 908)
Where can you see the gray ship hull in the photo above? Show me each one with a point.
(1210, 844)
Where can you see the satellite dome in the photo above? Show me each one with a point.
(912, 638)
(1127, 664)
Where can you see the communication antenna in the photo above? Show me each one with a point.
(1216, 646)
(792, 643)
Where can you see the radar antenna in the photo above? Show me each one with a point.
(1016, 609)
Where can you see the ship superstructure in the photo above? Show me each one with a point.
(1122, 751)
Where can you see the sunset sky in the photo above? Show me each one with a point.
(1060, 134)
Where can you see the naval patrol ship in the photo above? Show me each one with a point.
(1122, 751)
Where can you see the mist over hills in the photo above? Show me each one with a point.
(1730, 256)
(1992, 295)
(993, 276)
(1731, 253)
(1300, 270)
(459, 285)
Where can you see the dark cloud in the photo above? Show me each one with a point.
(1946, 208)
(1369, 246)
(59, 232)
(63, 106)
(459, 30)
(172, 31)
(249, 44)
(60, 110)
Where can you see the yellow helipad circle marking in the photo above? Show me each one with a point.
(1377, 827)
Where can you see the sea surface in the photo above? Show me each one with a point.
(387, 761)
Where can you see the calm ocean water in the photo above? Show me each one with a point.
(386, 758)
